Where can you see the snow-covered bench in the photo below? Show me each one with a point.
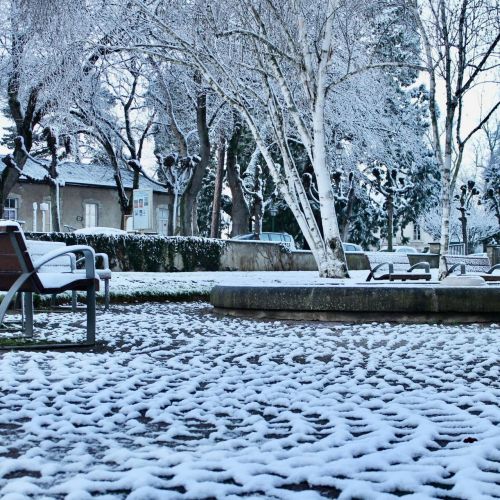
(472, 264)
(398, 267)
(68, 263)
(19, 272)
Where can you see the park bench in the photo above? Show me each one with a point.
(20, 273)
(475, 265)
(398, 267)
(38, 249)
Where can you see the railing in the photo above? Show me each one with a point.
(456, 249)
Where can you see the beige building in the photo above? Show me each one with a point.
(88, 198)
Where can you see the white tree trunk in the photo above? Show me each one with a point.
(445, 212)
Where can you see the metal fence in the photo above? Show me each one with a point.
(456, 249)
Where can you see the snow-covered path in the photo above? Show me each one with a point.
(189, 405)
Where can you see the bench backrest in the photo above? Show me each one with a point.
(399, 260)
(15, 258)
(38, 249)
(473, 263)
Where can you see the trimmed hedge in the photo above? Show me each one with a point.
(147, 253)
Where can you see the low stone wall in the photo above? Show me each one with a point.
(431, 258)
(266, 256)
(493, 252)
(429, 302)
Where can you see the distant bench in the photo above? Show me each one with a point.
(398, 267)
(471, 264)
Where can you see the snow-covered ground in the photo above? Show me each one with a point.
(202, 282)
(179, 403)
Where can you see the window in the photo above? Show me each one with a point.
(10, 209)
(416, 232)
(91, 214)
(163, 221)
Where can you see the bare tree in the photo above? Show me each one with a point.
(44, 62)
(460, 40)
(118, 116)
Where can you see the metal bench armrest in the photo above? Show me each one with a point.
(88, 252)
(454, 266)
(389, 264)
(103, 256)
(421, 265)
(105, 259)
(378, 266)
(493, 268)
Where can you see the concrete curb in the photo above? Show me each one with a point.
(420, 303)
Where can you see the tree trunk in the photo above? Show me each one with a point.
(55, 213)
(240, 213)
(390, 223)
(215, 226)
(332, 263)
(463, 223)
(124, 201)
(344, 230)
(258, 205)
(54, 207)
(189, 223)
(445, 193)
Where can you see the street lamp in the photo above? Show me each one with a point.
(273, 210)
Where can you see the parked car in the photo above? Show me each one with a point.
(284, 238)
(351, 247)
(400, 249)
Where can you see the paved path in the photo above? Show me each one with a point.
(183, 404)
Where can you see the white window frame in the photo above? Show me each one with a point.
(89, 218)
(11, 212)
(160, 219)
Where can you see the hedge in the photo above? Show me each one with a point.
(147, 253)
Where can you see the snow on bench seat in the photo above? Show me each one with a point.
(396, 266)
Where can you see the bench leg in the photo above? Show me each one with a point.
(91, 314)
(106, 295)
(73, 301)
(28, 310)
(9, 296)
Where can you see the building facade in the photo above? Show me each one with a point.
(88, 197)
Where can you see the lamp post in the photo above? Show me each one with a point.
(273, 210)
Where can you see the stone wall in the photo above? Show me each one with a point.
(266, 256)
